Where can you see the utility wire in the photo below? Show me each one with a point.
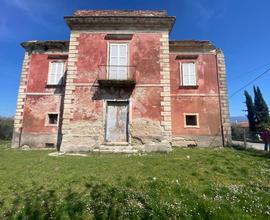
(249, 83)
(236, 92)
(233, 78)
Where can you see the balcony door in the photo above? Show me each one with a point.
(118, 63)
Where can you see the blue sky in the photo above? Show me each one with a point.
(240, 28)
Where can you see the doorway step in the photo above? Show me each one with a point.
(115, 149)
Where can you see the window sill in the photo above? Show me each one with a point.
(188, 87)
(54, 85)
(192, 127)
(51, 125)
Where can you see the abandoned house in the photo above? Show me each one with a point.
(120, 84)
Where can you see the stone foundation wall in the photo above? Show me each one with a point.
(38, 140)
(197, 141)
(83, 136)
(143, 131)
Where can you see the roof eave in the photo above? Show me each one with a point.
(84, 22)
(191, 45)
(45, 45)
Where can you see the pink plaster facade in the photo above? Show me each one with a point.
(156, 101)
(203, 99)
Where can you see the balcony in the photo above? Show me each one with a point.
(116, 75)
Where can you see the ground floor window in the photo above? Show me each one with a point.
(52, 119)
(191, 120)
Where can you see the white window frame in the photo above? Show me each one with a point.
(49, 80)
(47, 119)
(197, 120)
(182, 74)
(109, 57)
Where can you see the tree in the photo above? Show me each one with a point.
(250, 112)
(261, 110)
(6, 128)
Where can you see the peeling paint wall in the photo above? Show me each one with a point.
(40, 100)
(36, 109)
(89, 98)
(203, 100)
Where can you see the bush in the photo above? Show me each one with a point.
(6, 128)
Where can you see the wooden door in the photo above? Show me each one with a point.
(117, 121)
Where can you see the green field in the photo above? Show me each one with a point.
(184, 184)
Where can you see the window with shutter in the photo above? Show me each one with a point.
(118, 63)
(189, 76)
(56, 72)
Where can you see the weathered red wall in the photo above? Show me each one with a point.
(144, 50)
(146, 103)
(37, 105)
(203, 100)
(36, 109)
(206, 70)
(207, 107)
(39, 67)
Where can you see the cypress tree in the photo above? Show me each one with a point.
(250, 112)
(261, 109)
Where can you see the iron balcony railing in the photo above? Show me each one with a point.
(116, 73)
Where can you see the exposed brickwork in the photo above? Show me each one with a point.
(225, 116)
(18, 119)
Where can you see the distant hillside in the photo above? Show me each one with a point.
(238, 119)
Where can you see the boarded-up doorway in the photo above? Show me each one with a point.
(117, 121)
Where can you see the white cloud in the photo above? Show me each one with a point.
(206, 13)
(20, 4)
(4, 30)
(35, 10)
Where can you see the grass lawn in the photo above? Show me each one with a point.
(184, 184)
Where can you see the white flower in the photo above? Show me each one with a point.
(154, 178)
(188, 157)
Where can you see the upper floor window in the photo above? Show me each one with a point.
(188, 73)
(56, 73)
(118, 63)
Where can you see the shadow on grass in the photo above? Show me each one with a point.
(252, 151)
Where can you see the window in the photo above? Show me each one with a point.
(56, 72)
(52, 119)
(118, 63)
(189, 76)
(191, 120)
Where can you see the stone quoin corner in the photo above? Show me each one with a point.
(119, 84)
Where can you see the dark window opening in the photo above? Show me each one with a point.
(191, 120)
(49, 145)
(52, 119)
